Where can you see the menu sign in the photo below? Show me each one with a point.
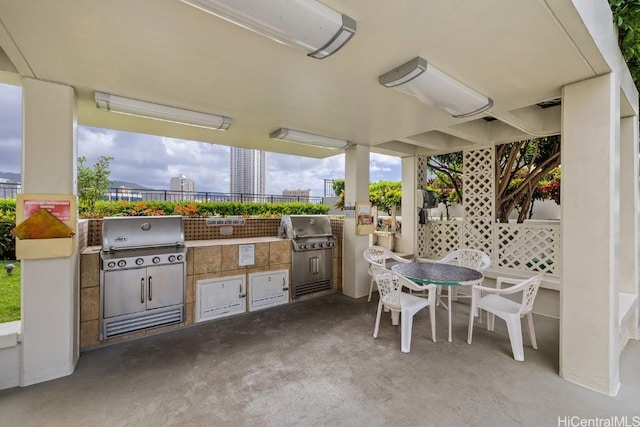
(61, 209)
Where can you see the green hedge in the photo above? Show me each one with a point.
(190, 209)
(7, 222)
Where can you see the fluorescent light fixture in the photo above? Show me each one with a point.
(308, 138)
(436, 88)
(133, 107)
(307, 24)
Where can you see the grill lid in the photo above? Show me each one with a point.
(128, 232)
(305, 226)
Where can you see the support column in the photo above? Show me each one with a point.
(406, 243)
(355, 278)
(629, 226)
(49, 286)
(590, 234)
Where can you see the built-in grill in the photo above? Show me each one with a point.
(142, 273)
(312, 255)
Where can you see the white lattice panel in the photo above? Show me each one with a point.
(528, 247)
(443, 237)
(478, 199)
(422, 238)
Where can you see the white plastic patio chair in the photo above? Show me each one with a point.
(470, 258)
(390, 286)
(497, 305)
(377, 256)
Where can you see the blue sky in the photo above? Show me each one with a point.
(207, 164)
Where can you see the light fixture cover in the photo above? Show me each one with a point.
(307, 24)
(308, 138)
(436, 88)
(134, 107)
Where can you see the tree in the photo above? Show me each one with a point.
(386, 195)
(520, 166)
(626, 15)
(383, 194)
(93, 182)
(447, 169)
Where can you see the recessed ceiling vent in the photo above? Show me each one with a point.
(550, 103)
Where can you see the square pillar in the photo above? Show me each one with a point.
(49, 286)
(629, 208)
(590, 233)
(355, 276)
(406, 243)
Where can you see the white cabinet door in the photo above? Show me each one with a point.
(268, 289)
(220, 297)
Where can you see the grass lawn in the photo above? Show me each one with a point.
(9, 293)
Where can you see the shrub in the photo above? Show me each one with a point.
(7, 240)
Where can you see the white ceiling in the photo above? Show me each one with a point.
(518, 52)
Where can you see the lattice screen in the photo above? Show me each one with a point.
(422, 238)
(528, 247)
(443, 237)
(478, 199)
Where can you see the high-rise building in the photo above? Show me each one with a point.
(182, 185)
(248, 172)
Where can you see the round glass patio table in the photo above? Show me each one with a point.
(439, 274)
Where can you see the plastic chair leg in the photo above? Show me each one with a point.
(370, 289)
(471, 319)
(406, 327)
(515, 335)
(532, 331)
(491, 320)
(375, 329)
(432, 313)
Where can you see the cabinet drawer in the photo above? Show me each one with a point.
(268, 289)
(220, 297)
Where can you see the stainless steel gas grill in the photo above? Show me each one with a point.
(312, 256)
(142, 273)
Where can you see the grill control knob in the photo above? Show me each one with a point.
(139, 261)
(172, 258)
(314, 245)
(156, 260)
(111, 264)
(180, 257)
(122, 263)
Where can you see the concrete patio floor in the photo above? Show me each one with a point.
(315, 363)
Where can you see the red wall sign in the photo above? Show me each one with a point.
(61, 209)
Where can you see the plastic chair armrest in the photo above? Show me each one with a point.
(507, 280)
(511, 290)
(395, 257)
(416, 287)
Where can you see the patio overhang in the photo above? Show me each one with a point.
(520, 54)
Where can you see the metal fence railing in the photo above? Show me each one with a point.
(9, 191)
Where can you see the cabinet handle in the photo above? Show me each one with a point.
(240, 291)
(150, 289)
(142, 291)
(284, 286)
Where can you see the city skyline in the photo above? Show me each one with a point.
(151, 161)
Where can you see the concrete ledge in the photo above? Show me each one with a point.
(626, 305)
(10, 334)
